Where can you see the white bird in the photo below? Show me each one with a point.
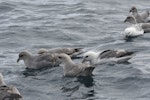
(72, 52)
(106, 56)
(134, 30)
(8, 92)
(37, 61)
(72, 69)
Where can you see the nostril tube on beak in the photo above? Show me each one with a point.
(83, 60)
(125, 20)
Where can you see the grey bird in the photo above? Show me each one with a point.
(8, 92)
(130, 19)
(139, 18)
(117, 55)
(72, 69)
(72, 52)
(144, 15)
(145, 26)
(37, 61)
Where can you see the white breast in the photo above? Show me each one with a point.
(134, 30)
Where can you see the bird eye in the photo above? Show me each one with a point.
(76, 50)
(129, 18)
(20, 55)
(86, 56)
(59, 57)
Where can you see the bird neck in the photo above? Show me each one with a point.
(96, 55)
(134, 21)
(69, 62)
(135, 13)
(95, 58)
(28, 61)
(93, 61)
(68, 65)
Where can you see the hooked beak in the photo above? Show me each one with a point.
(18, 60)
(125, 20)
(78, 49)
(83, 61)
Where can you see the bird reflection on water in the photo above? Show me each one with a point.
(74, 85)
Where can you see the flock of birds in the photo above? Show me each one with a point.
(64, 56)
(140, 23)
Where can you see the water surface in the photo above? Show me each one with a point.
(91, 24)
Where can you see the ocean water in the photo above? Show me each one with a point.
(90, 24)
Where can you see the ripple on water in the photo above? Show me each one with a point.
(89, 24)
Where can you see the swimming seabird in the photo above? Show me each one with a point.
(110, 55)
(72, 69)
(8, 92)
(37, 61)
(72, 52)
(131, 19)
(140, 17)
(136, 28)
